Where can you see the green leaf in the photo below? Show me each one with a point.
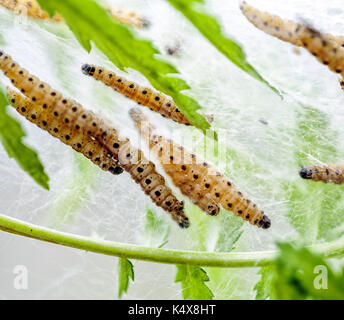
(11, 135)
(194, 11)
(300, 274)
(125, 273)
(229, 233)
(90, 22)
(193, 280)
(156, 230)
(264, 287)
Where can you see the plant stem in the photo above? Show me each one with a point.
(198, 258)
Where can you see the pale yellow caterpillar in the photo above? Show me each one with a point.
(32, 9)
(83, 143)
(278, 27)
(128, 17)
(50, 106)
(323, 172)
(205, 186)
(144, 96)
(271, 24)
(327, 48)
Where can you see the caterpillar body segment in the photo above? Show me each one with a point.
(70, 122)
(324, 173)
(339, 40)
(328, 49)
(144, 96)
(80, 142)
(32, 9)
(203, 184)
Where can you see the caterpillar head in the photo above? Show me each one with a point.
(87, 69)
(116, 170)
(242, 4)
(137, 115)
(341, 82)
(141, 121)
(305, 173)
(265, 222)
(184, 223)
(145, 23)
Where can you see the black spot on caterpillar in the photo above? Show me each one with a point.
(50, 106)
(32, 9)
(328, 49)
(325, 173)
(143, 96)
(205, 186)
(78, 140)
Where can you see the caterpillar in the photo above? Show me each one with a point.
(144, 96)
(83, 143)
(29, 7)
(128, 17)
(285, 30)
(327, 48)
(325, 173)
(201, 182)
(56, 111)
(32, 9)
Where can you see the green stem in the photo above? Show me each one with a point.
(198, 258)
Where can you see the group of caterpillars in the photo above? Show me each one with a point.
(199, 181)
(32, 9)
(88, 133)
(99, 141)
(328, 49)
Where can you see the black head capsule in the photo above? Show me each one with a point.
(145, 23)
(116, 170)
(184, 223)
(212, 210)
(265, 223)
(305, 173)
(87, 69)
